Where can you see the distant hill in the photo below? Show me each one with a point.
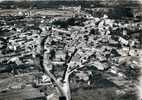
(114, 7)
(57, 3)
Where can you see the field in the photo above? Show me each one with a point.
(37, 12)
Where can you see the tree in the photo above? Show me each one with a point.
(73, 47)
(80, 48)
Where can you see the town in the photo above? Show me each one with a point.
(70, 53)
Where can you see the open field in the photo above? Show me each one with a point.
(37, 12)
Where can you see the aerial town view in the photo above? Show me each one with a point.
(70, 49)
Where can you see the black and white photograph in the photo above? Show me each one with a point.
(70, 49)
